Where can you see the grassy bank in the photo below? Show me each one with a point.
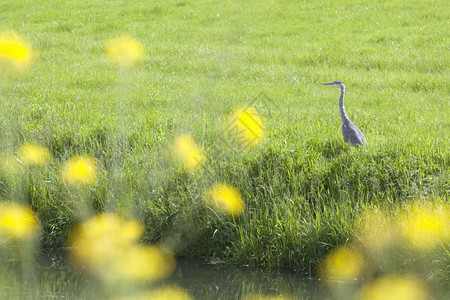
(302, 188)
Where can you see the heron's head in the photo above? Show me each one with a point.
(335, 83)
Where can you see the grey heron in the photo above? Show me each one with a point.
(351, 133)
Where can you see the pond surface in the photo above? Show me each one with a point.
(235, 282)
(56, 280)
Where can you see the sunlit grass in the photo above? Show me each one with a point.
(300, 192)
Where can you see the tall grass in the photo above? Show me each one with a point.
(303, 187)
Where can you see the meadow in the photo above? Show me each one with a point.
(303, 187)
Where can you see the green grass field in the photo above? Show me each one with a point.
(302, 187)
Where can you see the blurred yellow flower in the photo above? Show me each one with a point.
(15, 51)
(374, 229)
(186, 154)
(107, 246)
(9, 164)
(147, 263)
(163, 293)
(124, 51)
(80, 170)
(425, 226)
(226, 199)
(394, 287)
(18, 221)
(246, 127)
(105, 232)
(113, 228)
(33, 154)
(344, 263)
(264, 297)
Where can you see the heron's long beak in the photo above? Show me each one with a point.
(327, 83)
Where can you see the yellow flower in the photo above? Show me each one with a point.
(143, 263)
(246, 127)
(80, 170)
(18, 221)
(162, 293)
(33, 154)
(425, 226)
(9, 164)
(107, 246)
(344, 263)
(226, 199)
(113, 228)
(124, 51)
(264, 297)
(169, 292)
(186, 154)
(375, 230)
(394, 287)
(14, 51)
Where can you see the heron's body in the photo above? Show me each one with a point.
(351, 133)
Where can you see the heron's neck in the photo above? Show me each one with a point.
(341, 105)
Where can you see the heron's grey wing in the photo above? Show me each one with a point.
(352, 134)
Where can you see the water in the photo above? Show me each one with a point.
(234, 282)
(56, 280)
